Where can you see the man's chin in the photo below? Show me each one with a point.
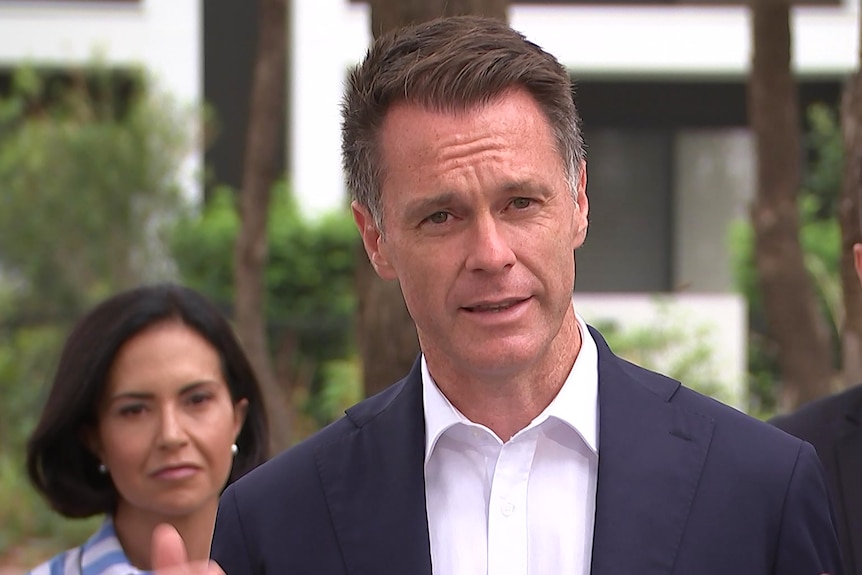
(502, 360)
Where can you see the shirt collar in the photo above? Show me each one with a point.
(576, 404)
(103, 551)
(440, 414)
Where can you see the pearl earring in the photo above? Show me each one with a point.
(103, 469)
(234, 449)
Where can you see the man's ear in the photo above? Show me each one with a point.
(373, 241)
(582, 208)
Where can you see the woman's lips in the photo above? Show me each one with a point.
(176, 472)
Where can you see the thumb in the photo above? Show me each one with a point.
(168, 548)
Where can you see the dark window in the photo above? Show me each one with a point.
(112, 88)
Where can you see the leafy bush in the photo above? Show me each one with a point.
(671, 344)
(89, 181)
(27, 521)
(310, 297)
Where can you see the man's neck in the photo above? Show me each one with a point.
(507, 403)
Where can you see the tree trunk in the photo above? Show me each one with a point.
(848, 217)
(387, 337)
(792, 312)
(259, 174)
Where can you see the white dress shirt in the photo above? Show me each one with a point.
(526, 506)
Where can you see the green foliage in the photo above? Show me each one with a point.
(26, 355)
(311, 275)
(87, 184)
(310, 297)
(820, 237)
(673, 345)
(826, 158)
(202, 246)
(25, 519)
(341, 387)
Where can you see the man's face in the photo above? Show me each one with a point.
(479, 229)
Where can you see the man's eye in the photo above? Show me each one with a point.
(521, 203)
(438, 217)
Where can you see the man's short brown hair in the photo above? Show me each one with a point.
(449, 65)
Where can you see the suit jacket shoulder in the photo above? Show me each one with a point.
(832, 425)
(690, 485)
(353, 493)
(820, 420)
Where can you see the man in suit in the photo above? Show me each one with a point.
(518, 443)
(832, 425)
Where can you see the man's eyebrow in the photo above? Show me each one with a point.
(526, 185)
(421, 209)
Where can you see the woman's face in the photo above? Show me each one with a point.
(166, 423)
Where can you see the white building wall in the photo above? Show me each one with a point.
(643, 40)
(714, 183)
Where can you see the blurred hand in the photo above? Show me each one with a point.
(170, 556)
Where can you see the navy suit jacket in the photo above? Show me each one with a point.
(832, 425)
(686, 486)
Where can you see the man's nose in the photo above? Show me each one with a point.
(490, 249)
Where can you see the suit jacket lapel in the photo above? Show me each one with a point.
(651, 454)
(374, 481)
(848, 451)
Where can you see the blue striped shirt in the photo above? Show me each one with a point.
(100, 555)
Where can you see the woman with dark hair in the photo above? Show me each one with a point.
(153, 410)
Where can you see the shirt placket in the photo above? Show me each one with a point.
(507, 508)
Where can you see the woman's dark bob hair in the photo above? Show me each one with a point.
(59, 464)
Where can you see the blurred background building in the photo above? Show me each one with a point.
(661, 87)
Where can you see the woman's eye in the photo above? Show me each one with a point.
(199, 398)
(131, 410)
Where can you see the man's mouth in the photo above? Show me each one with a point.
(494, 307)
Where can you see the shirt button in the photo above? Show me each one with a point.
(507, 508)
